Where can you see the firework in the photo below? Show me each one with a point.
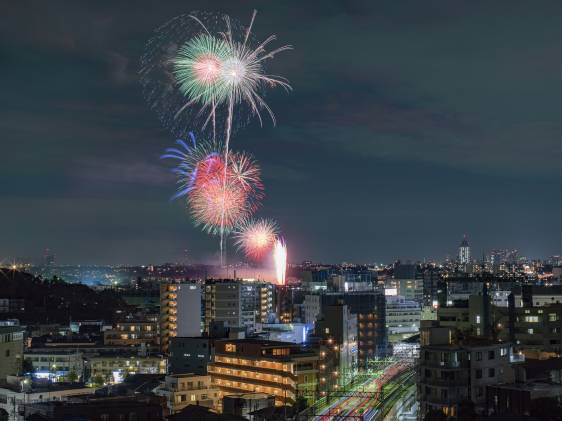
(218, 207)
(280, 258)
(256, 237)
(198, 69)
(194, 159)
(205, 71)
(219, 196)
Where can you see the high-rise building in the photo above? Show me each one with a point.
(289, 304)
(408, 280)
(431, 278)
(451, 372)
(464, 252)
(337, 328)
(311, 308)
(237, 303)
(180, 311)
(402, 318)
(370, 308)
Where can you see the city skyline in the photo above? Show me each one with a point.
(409, 125)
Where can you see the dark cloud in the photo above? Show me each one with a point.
(410, 124)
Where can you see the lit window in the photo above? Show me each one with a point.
(532, 319)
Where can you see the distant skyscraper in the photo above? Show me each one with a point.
(464, 252)
(49, 258)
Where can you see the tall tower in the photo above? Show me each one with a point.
(464, 252)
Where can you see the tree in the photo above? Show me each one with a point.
(98, 380)
(72, 376)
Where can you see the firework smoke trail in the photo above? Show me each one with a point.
(213, 69)
(243, 73)
(280, 258)
(256, 237)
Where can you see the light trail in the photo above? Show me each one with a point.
(383, 386)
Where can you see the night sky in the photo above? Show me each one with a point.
(411, 123)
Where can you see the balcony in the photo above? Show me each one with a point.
(516, 358)
(438, 382)
(443, 364)
(439, 400)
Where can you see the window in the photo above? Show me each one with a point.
(532, 319)
(503, 352)
(444, 394)
(477, 318)
(478, 356)
(491, 372)
(478, 373)
(7, 353)
(427, 373)
(552, 317)
(530, 331)
(479, 392)
(491, 355)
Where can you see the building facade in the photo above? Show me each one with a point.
(114, 368)
(285, 371)
(56, 365)
(237, 303)
(402, 318)
(449, 373)
(370, 309)
(11, 351)
(180, 311)
(181, 390)
(133, 333)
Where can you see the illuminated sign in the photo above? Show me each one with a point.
(230, 347)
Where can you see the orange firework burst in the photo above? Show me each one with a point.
(222, 197)
(256, 237)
